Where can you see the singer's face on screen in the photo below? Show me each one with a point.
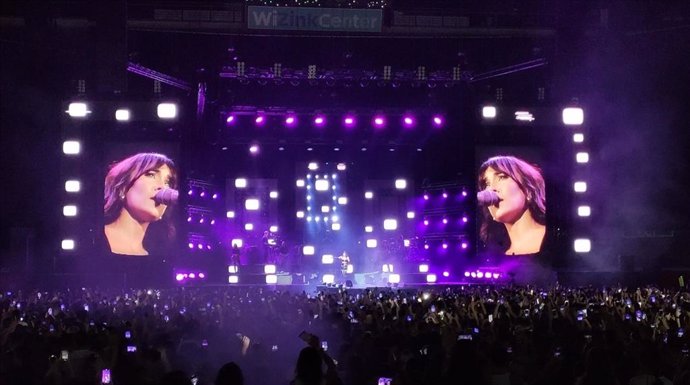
(513, 202)
(139, 198)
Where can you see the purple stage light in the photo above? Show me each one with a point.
(349, 121)
(438, 120)
(202, 275)
(200, 246)
(426, 197)
(480, 274)
(201, 220)
(203, 194)
(445, 245)
(464, 193)
(259, 120)
(445, 221)
(191, 245)
(473, 274)
(426, 222)
(179, 277)
(463, 245)
(215, 196)
(464, 219)
(426, 246)
(467, 274)
(408, 121)
(230, 119)
(192, 275)
(189, 219)
(446, 274)
(254, 149)
(445, 195)
(290, 120)
(496, 275)
(213, 222)
(379, 121)
(190, 192)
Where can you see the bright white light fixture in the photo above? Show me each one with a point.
(273, 194)
(69, 210)
(122, 115)
(524, 116)
(390, 224)
(251, 204)
(328, 278)
(424, 268)
(349, 269)
(578, 137)
(342, 200)
(400, 184)
(249, 226)
(582, 245)
(341, 166)
(410, 215)
(167, 110)
(269, 269)
(584, 211)
(394, 278)
(313, 166)
(573, 116)
(300, 214)
(371, 243)
(240, 183)
(327, 259)
(71, 147)
(72, 185)
(230, 214)
(67, 244)
(335, 226)
(237, 242)
(271, 279)
(368, 195)
(325, 209)
(299, 182)
(582, 157)
(233, 279)
(580, 186)
(431, 278)
(78, 110)
(273, 229)
(368, 229)
(308, 250)
(321, 185)
(488, 112)
(233, 269)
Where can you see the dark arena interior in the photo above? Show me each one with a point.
(385, 192)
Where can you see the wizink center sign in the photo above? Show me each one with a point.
(314, 19)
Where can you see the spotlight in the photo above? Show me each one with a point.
(167, 110)
(438, 121)
(349, 121)
(488, 112)
(582, 245)
(260, 120)
(71, 147)
(379, 121)
(77, 110)
(240, 183)
(254, 149)
(299, 183)
(408, 121)
(290, 120)
(400, 184)
(230, 119)
(319, 121)
(122, 115)
(573, 116)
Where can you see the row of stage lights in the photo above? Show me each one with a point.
(349, 121)
(164, 111)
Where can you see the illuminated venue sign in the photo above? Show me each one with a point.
(314, 19)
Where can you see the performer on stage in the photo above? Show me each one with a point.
(344, 262)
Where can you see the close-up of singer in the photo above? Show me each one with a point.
(512, 193)
(137, 193)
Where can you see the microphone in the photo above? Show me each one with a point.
(487, 198)
(166, 196)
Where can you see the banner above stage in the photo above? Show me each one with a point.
(314, 19)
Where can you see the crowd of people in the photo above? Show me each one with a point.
(495, 334)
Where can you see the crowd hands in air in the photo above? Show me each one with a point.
(436, 335)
